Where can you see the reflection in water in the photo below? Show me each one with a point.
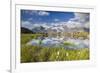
(65, 43)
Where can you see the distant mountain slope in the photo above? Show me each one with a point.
(39, 29)
(25, 30)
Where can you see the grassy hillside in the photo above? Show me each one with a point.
(25, 30)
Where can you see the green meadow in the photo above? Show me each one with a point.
(30, 53)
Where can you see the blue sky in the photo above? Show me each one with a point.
(45, 16)
(39, 17)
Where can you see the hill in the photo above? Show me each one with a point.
(25, 30)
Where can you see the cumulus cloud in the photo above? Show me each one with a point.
(36, 12)
(31, 12)
(43, 13)
(87, 25)
(80, 20)
(26, 24)
(30, 25)
(41, 24)
(72, 24)
(80, 17)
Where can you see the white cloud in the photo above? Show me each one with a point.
(80, 20)
(43, 13)
(31, 12)
(26, 24)
(29, 25)
(41, 24)
(80, 17)
(30, 19)
(56, 19)
(87, 25)
(72, 23)
(37, 12)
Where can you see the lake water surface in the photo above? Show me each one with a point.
(65, 43)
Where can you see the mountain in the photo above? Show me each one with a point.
(66, 27)
(39, 29)
(25, 30)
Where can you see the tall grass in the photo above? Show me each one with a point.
(43, 54)
(31, 53)
(27, 37)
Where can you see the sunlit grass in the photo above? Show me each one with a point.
(68, 43)
(27, 37)
(31, 53)
(43, 54)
